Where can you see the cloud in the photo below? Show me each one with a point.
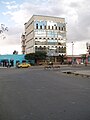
(9, 49)
(12, 7)
(78, 20)
(75, 12)
(8, 3)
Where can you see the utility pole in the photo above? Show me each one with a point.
(72, 51)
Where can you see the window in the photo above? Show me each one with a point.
(52, 27)
(36, 26)
(59, 28)
(48, 27)
(56, 28)
(59, 43)
(45, 27)
(36, 47)
(64, 28)
(56, 51)
(40, 26)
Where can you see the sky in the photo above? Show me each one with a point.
(13, 14)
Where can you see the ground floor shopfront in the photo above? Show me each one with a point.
(11, 60)
(78, 59)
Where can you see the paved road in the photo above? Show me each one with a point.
(38, 94)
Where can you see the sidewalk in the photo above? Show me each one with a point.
(82, 73)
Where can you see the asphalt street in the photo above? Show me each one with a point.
(38, 94)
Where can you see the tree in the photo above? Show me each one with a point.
(3, 28)
(61, 57)
(30, 56)
(39, 55)
(15, 52)
(83, 57)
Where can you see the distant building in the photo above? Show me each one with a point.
(11, 59)
(76, 59)
(45, 33)
(23, 43)
(76, 50)
(88, 47)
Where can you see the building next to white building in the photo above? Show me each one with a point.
(45, 33)
(75, 50)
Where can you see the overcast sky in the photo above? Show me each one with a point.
(13, 14)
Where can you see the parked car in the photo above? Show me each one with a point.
(23, 65)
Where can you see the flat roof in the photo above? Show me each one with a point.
(49, 16)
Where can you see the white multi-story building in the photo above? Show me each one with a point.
(45, 33)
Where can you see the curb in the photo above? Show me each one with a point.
(83, 75)
(76, 73)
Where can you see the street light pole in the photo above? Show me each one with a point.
(72, 51)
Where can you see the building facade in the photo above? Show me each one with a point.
(23, 43)
(77, 50)
(45, 33)
(11, 59)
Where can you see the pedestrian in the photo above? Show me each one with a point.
(7, 64)
(85, 63)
